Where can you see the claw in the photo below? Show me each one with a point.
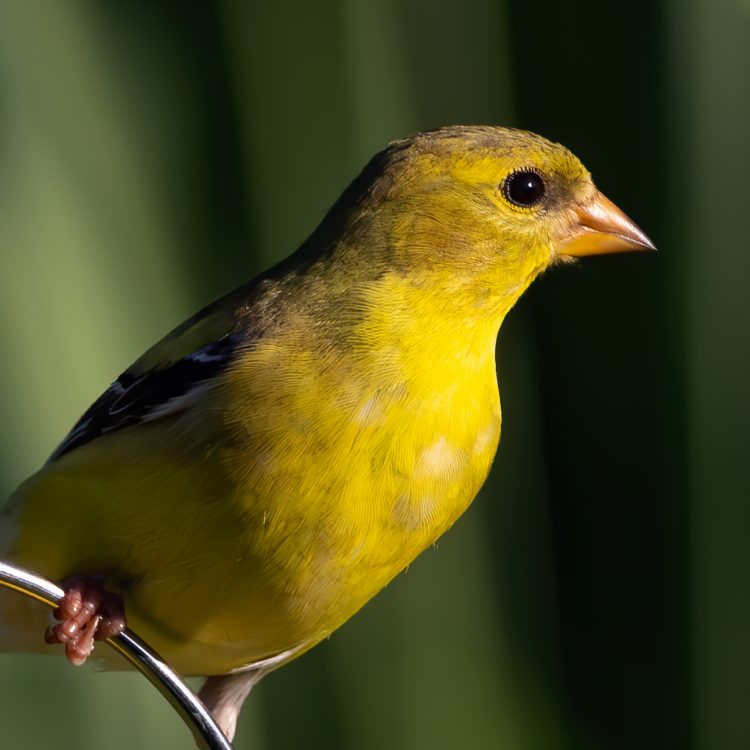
(87, 613)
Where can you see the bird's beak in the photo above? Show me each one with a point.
(600, 227)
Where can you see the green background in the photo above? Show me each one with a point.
(155, 155)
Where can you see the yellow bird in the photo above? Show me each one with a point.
(272, 463)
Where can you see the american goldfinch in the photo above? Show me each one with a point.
(272, 463)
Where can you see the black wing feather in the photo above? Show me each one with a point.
(134, 398)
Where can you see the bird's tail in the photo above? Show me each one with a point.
(22, 620)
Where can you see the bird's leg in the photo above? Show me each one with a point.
(223, 696)
(86, 613)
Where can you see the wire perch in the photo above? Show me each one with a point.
(207, 734)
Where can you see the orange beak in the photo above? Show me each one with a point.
(601, 227)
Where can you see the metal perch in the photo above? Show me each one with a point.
(207, 734)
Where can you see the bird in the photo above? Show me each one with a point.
(267, 467)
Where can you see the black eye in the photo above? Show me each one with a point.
(524, 188)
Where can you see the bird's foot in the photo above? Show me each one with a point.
(87, 613)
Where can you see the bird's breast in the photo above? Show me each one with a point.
(351, 477)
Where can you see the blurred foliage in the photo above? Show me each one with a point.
(154, 155)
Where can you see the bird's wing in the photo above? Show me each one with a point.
(166, 379)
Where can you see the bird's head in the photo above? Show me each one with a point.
(477, 213)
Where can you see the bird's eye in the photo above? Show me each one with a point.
(524, 188)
